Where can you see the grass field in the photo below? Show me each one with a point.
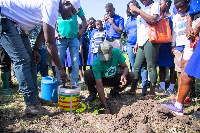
(11, 106)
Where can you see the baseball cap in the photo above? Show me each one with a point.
(105, 51)
(76, 4)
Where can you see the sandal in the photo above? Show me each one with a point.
(147, 97)
(129, 92)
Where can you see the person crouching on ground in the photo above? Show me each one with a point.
(105, 73)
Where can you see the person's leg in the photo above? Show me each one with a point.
(54, 71)
(131, 57)
(173, 76)
(25, 69)
(42, 63)
(185, 62)
(62, 46)
(139, 62)
(5, 70)
(151, 54)
(90, 82)
(162, 75)
(69, 70)
(186, 83)
(74, 45)
(81, 74)
(144, 74)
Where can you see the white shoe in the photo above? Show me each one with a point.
(82, 80)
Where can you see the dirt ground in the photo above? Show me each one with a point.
(132, 115)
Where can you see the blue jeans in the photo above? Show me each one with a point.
(144, 72)
(73, 44)
(41, 66)
(18, 48)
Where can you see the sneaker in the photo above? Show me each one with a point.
(169, 92)
(75, 84)
(45, 102)
(82, 80)
(116, 95)
(91, 98)
(174, 109)
(159, 90)
(187, 101)
(36, 109)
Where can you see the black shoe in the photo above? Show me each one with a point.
(45, 102)
(37, 109)
(91, 98)
(116, 95)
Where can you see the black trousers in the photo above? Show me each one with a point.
(111, 82)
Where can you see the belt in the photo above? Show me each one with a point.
(113, 39)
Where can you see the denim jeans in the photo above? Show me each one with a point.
(73, 44)
(41, 66)
(144, 72)
(18, 48)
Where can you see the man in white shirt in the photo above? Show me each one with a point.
(20, 15)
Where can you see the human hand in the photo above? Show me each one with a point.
(63, 75)
(123, 81)
(57, 36)
(135, 49)
(189, 33)
(133, 8)
(36, 56)
(195, 32)
(110, 20)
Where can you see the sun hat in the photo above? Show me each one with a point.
(105, 51)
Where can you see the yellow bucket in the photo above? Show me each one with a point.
(68, 99)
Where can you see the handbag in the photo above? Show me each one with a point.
(160, 32)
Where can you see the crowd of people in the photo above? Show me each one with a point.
(52, 26)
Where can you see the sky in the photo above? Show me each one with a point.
(96, 8)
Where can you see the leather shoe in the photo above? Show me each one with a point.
(91, 98)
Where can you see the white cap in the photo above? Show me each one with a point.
(76, 4)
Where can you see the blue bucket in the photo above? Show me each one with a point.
(49, 89)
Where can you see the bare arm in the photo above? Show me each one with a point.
(148, 18)
(49, 34)
(119, 30)
(38, 42)
(84, 23)
(189, 28)
(124, 74)
(100, 90)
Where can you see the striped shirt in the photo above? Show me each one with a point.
(97, 39)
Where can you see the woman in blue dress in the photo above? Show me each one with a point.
(165, 57)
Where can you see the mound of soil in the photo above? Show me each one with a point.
(131, 115)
